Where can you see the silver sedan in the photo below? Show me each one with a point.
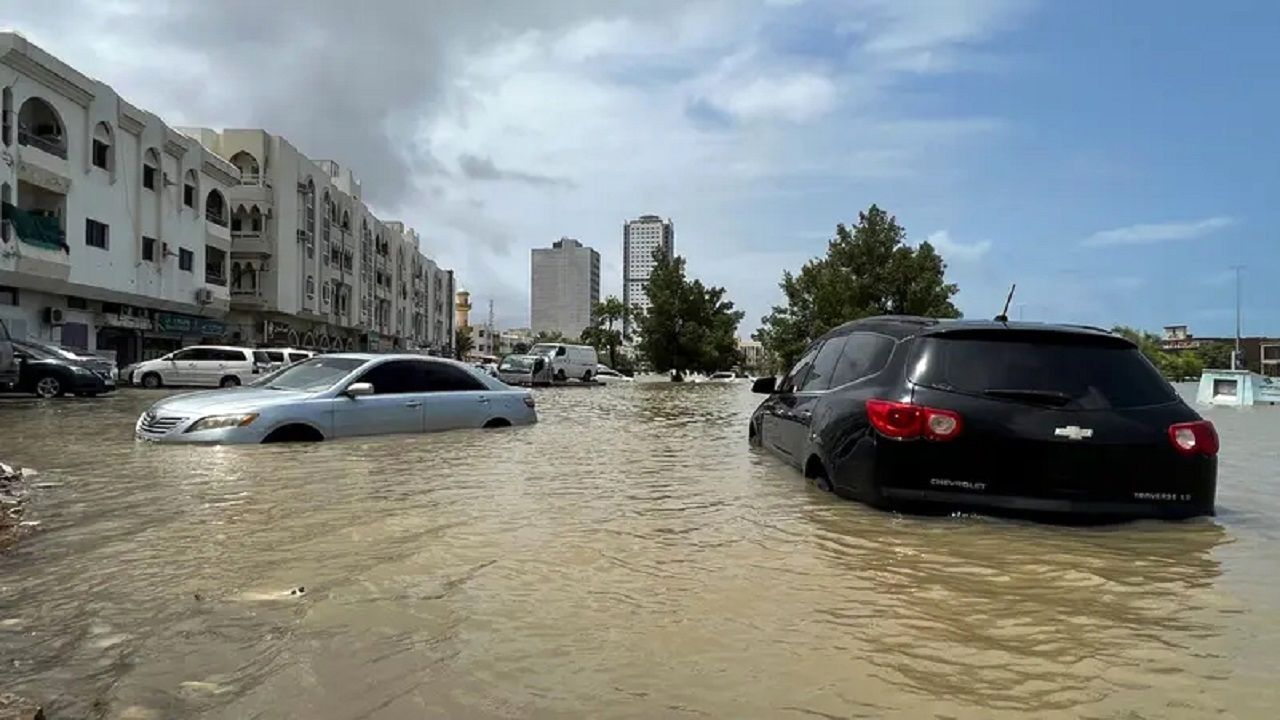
(341, 395)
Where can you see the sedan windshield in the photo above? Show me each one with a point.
(311, 375)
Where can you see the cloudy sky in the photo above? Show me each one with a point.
(1114, 159)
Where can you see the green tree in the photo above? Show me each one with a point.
(1216, 355)
(868, 270)
(520, 348)
(602, 335)
(462, 342)
(688, 326)
(549, 336)
(1174, 365)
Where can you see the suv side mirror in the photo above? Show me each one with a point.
(360, 389)
(765, 385)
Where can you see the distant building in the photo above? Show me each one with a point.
(640, 238)
(564, 287)
(753, 354)
(1259, 354)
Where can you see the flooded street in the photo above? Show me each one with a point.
(626, 557)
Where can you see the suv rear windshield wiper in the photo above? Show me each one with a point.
(1053, 398)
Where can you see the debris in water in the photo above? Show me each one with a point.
(13, 707)
(13, 498)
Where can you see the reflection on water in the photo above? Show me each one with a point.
(626, 557)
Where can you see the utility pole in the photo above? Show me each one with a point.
(1235, 357)
(492, 347)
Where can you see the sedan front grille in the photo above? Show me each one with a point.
(153, 424)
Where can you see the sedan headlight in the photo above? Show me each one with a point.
(218, 422)
(81, 370)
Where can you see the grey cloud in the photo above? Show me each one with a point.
(343, 82)
(482, 168)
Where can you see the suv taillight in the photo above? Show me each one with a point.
(904, 421)
(1194, 438)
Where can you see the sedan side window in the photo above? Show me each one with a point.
(439, 377)
(796, 376)
(863, 355)
(824, 365)
(391, 378)
(188, 355)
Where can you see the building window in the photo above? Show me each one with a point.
(95, 234)
(8, 295)
(186, 260)
(326, 290)
(148, 248)
(102, 146)
(148, 177)
(311, 286)
(189, 195)
(77, 303)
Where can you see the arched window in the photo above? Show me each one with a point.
(251, 276)
(6, 116)
(311, 286)
(326, 291)
(247, 164)
(103, 147)
(215, 208)
(346, 220)
(255, 219)
(40, 126)
(6, 196)
(190, 186)
(237, 274)
(151, 169)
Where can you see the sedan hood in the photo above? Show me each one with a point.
(218, 402)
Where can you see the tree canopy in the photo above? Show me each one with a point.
(1178, 364)
(462, 342)
(688, 326)
(868, 270)
(602, 334)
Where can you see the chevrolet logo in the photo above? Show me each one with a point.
(1073, 432)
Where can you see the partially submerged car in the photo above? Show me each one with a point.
(524, 370)
(341, 395)
(49, 371)
(990, 415)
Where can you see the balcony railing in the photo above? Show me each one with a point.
(215, 217)
(52, 145)
(251, 178)
(217, 277)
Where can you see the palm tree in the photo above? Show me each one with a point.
(462, 343)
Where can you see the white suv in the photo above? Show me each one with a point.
(207, 365)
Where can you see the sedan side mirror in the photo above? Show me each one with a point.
(765, 385)
(360, 389)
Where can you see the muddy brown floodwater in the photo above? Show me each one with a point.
(627, 557)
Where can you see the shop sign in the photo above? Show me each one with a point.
(188, 325)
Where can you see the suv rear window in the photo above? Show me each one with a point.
(1068, 371)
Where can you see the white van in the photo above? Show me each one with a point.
(281, 357)
(206, 365)
(569, 361)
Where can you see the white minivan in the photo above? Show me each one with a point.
(569, 361)
(203, 365)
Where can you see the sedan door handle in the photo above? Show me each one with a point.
(482, 399)
(804, 414)
(413, 404)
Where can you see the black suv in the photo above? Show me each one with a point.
(983, 414)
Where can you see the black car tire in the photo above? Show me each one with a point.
(586, 377)
(152, 380)
(49, 386)
(560, 375)
(229, 381)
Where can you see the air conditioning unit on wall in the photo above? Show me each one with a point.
(53, 316)
(204, 296)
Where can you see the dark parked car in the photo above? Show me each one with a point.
(984, 414)
(50, 371)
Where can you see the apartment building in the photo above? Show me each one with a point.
(116, 234)
(564, 287)
(127, 237)
(640, 239)
(312, 266)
